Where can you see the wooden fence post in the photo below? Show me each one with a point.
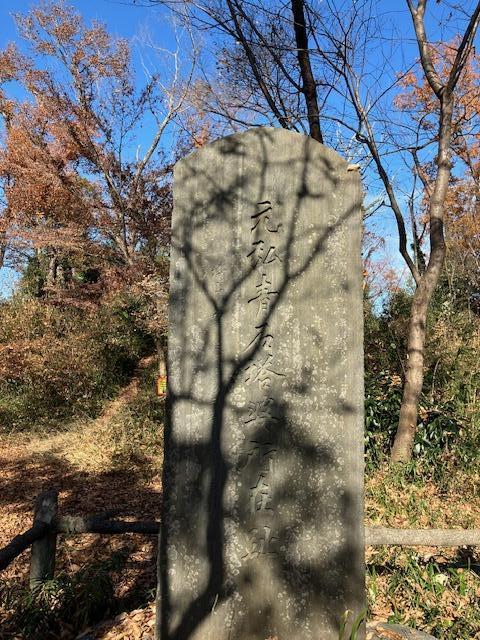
(43, 551)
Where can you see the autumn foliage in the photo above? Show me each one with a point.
(76, 193)
(85, 213)
(416, 98)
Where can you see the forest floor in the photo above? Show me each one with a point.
(97, 467)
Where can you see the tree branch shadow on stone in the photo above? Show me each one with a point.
(197, 468)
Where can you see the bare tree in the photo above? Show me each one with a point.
(315, 67)
(425, 276)
(427, 281)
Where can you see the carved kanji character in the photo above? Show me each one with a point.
(264, 216)
(260, 495)
(263, 254)
(265, 292)
(261, 542)
(261, 371)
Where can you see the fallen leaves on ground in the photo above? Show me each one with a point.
(36, 464)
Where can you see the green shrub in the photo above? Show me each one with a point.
(439, 433)
(60, 362)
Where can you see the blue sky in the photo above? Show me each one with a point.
(122, 19)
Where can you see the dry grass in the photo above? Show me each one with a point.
(436, 590)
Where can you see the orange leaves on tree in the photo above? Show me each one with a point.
(71, 189)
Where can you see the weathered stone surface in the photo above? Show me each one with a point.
(262, 529)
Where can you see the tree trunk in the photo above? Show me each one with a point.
(62, 276)
(412, 390)
(407, 424)
(308, 79)
(3, 248)
(51, 278)
(403, 445)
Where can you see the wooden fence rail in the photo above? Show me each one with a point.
(382, 536)
(42, 536)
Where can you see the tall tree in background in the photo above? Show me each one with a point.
(444, 87)
(461, 208)
(78, 189)
(315, 67)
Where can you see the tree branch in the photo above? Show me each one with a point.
(283, 121)
(464, 49)
(431, 74)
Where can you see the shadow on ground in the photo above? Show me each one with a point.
(121, 567)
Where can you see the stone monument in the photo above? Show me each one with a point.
(262, 525)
